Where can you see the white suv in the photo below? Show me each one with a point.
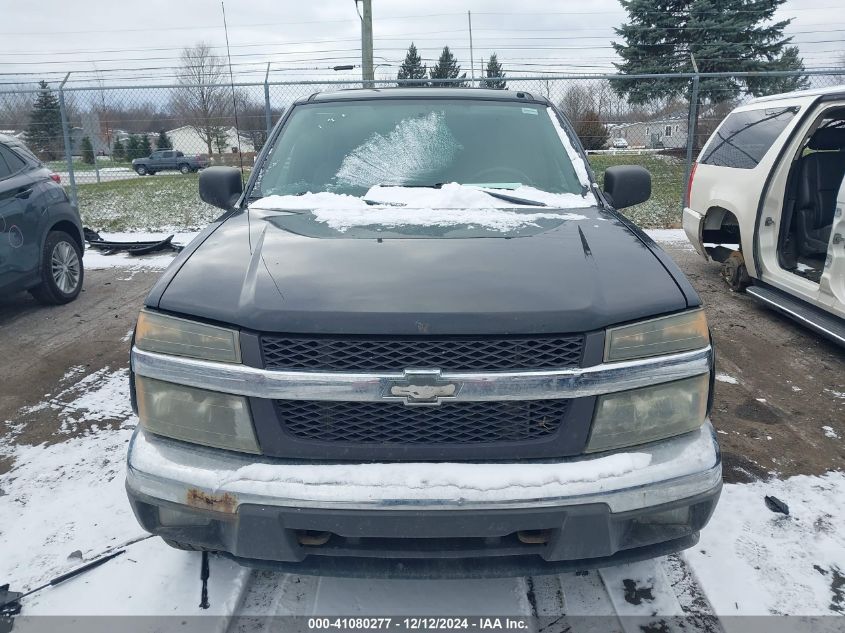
(766, 199)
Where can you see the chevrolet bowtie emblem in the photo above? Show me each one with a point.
(420, 387)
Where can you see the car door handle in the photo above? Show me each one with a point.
(23, 195)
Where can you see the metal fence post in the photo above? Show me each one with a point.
(66, 135)
(268, 122)
(692, 128)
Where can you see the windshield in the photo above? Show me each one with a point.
(349, 147)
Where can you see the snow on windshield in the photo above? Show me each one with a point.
(412, 150)
(574, 156)
(450, 205)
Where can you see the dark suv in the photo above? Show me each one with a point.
(41, 241)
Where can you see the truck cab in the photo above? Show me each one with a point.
(766, 200)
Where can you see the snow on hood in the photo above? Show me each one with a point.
(450, 205)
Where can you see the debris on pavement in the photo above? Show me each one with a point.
(776, 505)
(143, 247)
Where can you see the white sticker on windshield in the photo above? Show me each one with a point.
(414, 151)
(529, 111)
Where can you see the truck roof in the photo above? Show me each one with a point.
(429, 92)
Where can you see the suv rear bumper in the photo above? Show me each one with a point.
(585, 512)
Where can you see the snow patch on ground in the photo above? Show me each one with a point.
(676, 237)
(752, 561)
(722, 377)
(829, 432)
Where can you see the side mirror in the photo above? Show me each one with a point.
(221, 186)
(626, 185)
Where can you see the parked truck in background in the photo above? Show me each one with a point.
(169, 159)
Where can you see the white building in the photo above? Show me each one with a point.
(668, 132)
(186, 140)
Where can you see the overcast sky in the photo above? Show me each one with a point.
(130, 42)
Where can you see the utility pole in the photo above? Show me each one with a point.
(471, 61)
(367, 73)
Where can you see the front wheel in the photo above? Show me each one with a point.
(141, 170)
(185, 168)
(61, 270)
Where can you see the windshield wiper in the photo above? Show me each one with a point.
(514, 199)
(494, 194)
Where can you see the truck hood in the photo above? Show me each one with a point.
(258, 271)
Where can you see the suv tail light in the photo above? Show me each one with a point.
(689, 183)
(56, 178)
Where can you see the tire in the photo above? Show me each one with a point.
(141, 170)
(735, 273)
(186, 547)
(185, 168)
(62, 271)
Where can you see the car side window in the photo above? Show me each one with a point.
(13, 163)
(744, 137)
(5, 172)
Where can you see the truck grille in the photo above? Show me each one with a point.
(395, 423)
(396, 354)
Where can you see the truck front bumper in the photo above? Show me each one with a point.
(425, 519)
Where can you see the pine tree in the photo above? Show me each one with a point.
(447, 67)
(118, 152)
(591, 131)
(412, 68)
(87, 151)
(44, 134)
(145, 146)
(494, 69)
(723, 35)
(133, 147)
(163, 141)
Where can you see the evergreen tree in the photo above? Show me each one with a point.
(87, 151)
(447, 67)
(412, 68)
(723, 35)
(118, 152)
(163, 141)
(145, 146)
(494, 69)
(44, 134)
(133, 147)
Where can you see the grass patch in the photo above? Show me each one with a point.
(145, 204)
(78, 165)
(663, 210)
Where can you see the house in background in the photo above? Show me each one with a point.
(667, 132)
(186, 140)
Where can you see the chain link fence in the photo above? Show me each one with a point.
(91, 135)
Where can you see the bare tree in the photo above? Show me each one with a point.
(201, 98)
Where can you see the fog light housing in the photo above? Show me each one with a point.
(211, 418)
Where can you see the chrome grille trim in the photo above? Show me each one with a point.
(371, 386)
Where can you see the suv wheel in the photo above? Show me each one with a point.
(61, 270)
(141, 170)
(185, 168)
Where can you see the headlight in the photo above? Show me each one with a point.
(648, 414)
(170, 335)
(665, 335)
(195, 415)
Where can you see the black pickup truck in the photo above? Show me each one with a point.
(422, 341)
(169, 159)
